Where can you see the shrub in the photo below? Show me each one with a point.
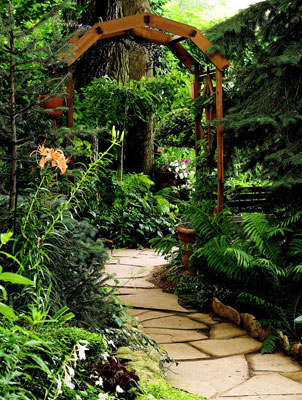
(135, 215)
(176, 129)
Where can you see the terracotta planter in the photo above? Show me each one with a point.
(52, 102)
(187, 238)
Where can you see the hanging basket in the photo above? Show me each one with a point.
(52, 102)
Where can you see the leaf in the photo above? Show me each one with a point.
(7, 311)
(5, 237)
(298, 320)
(15, 278)
(40, 362)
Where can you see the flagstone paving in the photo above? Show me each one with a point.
(215, 358)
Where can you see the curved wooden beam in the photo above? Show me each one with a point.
(137, 22)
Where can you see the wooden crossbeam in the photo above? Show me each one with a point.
(176, 39)
(150, 35)
(183, 55)
(162, 38)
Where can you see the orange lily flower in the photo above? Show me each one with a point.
(56, 157)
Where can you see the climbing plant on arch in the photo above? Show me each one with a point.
(152, 28)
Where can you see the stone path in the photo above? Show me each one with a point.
(216, 359)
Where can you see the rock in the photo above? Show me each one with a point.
(249, 322)
(227, 312)
(296, 351)
(145, 363)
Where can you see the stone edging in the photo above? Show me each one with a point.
(254, 329)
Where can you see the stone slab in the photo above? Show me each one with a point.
(294, 376)
(125, 253)
(144, 261)
(132, 283)
(153, 315)
(148, 251)
(209, 377)
(228, 347)
(174, 322)
(204, 318)
(113, 261)
(226, 330)
(136, 311)
(268, 384)
(183, 351)
(127, 271)
(126, 290)
(153, 299)
(276, 362)
(174, 335)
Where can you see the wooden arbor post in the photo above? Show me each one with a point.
(219, 114)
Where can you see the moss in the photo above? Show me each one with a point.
(145, 362)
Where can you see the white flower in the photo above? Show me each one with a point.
(70, 371)
(181, 175)
(102, 396)
(99, 382)
(118, 389)
(82, 348)
(59, 386)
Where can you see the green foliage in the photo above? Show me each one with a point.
(160, 390)
(79, 280)
(113, 104)
(253, 259)
(64, 339)
(135, 215)
(176, 129)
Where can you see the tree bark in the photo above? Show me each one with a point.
(140, 136)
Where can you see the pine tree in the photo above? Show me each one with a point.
(263, 104)
(27, 59)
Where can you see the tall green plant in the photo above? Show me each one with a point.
(42, 221)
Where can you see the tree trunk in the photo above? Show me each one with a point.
(140, 136)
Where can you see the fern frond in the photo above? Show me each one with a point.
(243, 258)
(270, 343)
(296, 244)
(292, 219)
(163, 246)
(258, 229)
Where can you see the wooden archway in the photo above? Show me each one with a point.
(152, 28)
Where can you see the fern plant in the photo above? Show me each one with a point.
(258, 256)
